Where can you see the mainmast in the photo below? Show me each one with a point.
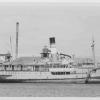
(93, 51)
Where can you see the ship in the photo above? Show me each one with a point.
(52, 66)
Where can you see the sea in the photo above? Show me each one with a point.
(49, 90)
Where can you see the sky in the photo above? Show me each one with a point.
(72, 24)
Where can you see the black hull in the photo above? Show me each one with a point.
(42, 80)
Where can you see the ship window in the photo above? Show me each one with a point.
(53, 73)
(56, 73)
(66, 66)
(33, 68)
(60, 73)
(36, 68)
(62, 66)
(6, 65)
(67, 72)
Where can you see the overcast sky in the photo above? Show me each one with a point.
(72, 24)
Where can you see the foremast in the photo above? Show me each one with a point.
(93, 52)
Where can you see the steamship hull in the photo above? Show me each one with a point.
(41, 77)
(80, 80)
(4, 79)
(72, 75)
(66, 80)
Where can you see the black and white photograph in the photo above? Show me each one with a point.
(50, 49)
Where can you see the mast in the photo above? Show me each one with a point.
(94, 61)
(93, 51)
(11, 46)
(17, 31)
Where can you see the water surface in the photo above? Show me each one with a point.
(49, 90)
